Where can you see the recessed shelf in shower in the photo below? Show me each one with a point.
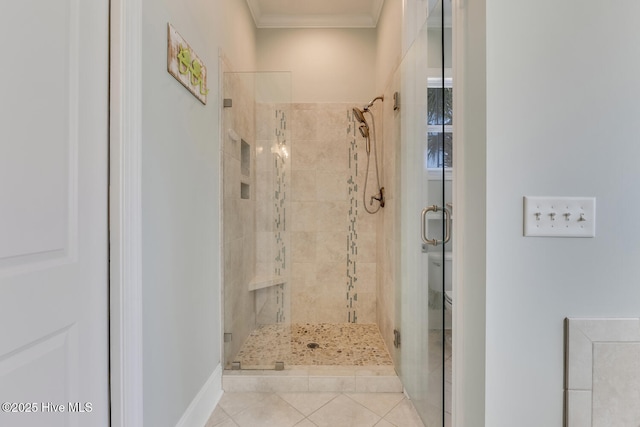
(245, 169)
(245, 191)
(245, 158)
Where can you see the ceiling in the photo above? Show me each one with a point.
(315, 13)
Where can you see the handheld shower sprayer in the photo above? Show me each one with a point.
(364, 131)
(364, 126)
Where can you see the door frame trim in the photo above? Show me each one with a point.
(469, 194)
(125, 213)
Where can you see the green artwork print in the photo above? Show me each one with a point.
(186, 65)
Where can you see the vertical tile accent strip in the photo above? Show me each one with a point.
(279, 211)
(352, 232)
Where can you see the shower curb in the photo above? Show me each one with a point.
(314, 379)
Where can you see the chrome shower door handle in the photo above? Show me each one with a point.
(447, 219)
(447, 224)
(423, 224)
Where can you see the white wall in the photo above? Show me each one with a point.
(180, 202)
(328, 65)
(562, 101)
(470, 204)
(389, 45)
(237, 32)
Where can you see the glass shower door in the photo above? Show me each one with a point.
(256, 176)
(425, 218)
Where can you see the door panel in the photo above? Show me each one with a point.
(425, 218)
(53, 216)
(419, 358)
(38, 144)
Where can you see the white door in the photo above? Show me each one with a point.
(53, 213)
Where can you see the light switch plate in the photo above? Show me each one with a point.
(560, 216)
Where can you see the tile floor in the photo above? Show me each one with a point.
(316, 388)
(253, 409)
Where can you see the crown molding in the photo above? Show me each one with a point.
(316, 21)
(366, 19)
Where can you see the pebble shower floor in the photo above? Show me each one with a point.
(346, 344)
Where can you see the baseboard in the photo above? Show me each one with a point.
(205, 401)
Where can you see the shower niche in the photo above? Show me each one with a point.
(245, 170)
(256, 200)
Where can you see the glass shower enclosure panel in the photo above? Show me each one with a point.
(425, 219)
(256, 175)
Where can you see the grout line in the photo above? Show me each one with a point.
(362, 406)
(325, 404)
(229, 417)
(398, 404)
(291, 406)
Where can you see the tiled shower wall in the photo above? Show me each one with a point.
(273, 176)
(333, 238)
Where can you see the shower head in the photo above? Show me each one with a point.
(359, 115)
(369, 105)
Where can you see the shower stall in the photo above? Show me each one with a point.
(332, 213)
(299, 245)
